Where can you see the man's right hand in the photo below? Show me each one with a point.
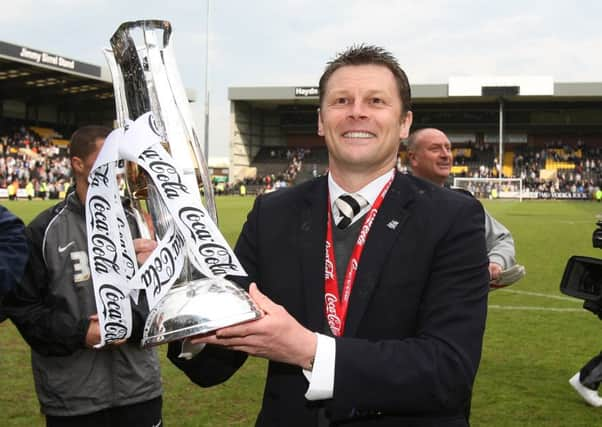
(93, 335)
(276, 336)
(143, 249)
(495, 270)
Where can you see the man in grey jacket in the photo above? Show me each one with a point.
(430, 156)
(55, 311)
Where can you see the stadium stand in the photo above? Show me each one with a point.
(26, 156)
(552, 139)
(556, 167)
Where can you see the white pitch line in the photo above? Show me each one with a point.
(537, 294)
(582, 221)
(532, 308)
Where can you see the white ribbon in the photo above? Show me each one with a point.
(110, 247)
(192, 232)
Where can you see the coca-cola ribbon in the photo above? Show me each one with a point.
(335, 305)
(110, 248)
(192, 231)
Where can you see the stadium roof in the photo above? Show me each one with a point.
(36, 77)
(460, 89)
(42, 77)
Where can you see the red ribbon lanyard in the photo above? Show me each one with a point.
(335, 307)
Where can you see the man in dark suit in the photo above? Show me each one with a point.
(374, 306)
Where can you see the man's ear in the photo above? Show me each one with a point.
(320, 125)
(406, 124)
(77, 164)
(411, 157)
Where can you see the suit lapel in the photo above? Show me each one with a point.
(312, 232)
(386, 228)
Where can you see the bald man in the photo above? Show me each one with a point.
(430, 157)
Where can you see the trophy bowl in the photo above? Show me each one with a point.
(198, 307)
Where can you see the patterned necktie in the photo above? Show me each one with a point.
(349, 205)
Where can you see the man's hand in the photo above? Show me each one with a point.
(494, 272)
(143, 249)
(93, 335)
(276, 336)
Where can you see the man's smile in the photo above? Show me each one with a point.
(358, 134)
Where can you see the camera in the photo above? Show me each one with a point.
(582, 277)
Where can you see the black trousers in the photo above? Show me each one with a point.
(591, 374)
(144, 414)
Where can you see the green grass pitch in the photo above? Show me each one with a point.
(536, 338)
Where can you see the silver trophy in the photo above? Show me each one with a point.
(145, 78)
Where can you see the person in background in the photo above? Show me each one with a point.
(54, 309)
(44, 190)
(430, 156)
(13, 187)
(586, 382)
(29, 190)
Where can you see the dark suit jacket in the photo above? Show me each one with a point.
(414, 330)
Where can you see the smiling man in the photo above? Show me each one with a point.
(431, 158)
(430, 155)
(373, 284)
(364, 148)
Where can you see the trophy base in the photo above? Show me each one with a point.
(197, 307)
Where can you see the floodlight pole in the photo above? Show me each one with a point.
(501, 138)
(207, 85)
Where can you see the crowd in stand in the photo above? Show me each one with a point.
(289, 154)
(581, 172)
(480, 161)
(295, 163)
(31, 162)
(34, 163)
(285, 178)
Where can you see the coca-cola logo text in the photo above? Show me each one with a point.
(104, 254)
(100, 175)
(112, 299)
(103, 250)
(218, 258)
(333, 319)
(193, 219)
(361, 240)
(329, 265)
(168, 178)
(162, 267)
(99, 208)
